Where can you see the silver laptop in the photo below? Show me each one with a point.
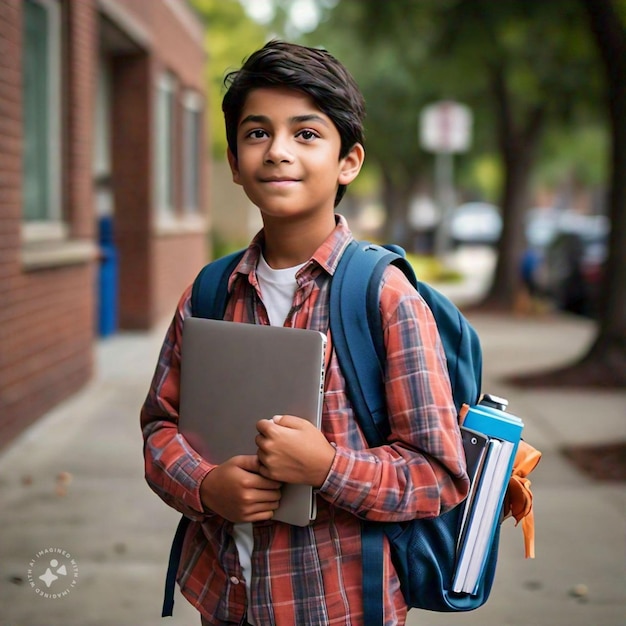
(233, 375)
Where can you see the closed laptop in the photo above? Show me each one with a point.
(233, 375)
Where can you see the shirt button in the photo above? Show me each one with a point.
(234, 580)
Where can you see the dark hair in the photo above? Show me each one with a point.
(310, 70)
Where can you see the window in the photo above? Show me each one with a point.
(192, 146)
(41, 111)
(165, 144)
(101, 156)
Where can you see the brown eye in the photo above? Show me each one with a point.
(307, 135)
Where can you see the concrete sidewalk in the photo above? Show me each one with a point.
(73, 484)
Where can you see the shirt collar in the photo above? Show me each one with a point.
(326, 256)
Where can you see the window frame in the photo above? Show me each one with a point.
(51, 225)
(193, 115)
(165, 147)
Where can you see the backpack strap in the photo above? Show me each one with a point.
(209, 294)
(358, 340)
(172, 566)
(357, 331)
(209, 297)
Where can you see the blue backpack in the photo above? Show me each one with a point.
(423, 550)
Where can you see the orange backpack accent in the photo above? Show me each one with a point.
(519, 497)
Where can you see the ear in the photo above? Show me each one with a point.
(234, 167)
(350, 165)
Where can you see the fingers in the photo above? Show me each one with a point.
(254, 479)
(257, 505)
(260, 513)
(290, 421)
(258, 499)
(248, 462)
(238, 493)
(264, 427)
(278, 431)
(286, 421)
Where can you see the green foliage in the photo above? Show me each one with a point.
(579, 156)
(389, 75)
(221, 246)
(406, 54)
(481, 177)
(366, 183)
(430, 269)
(230, 36)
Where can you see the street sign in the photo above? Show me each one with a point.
(445, 127)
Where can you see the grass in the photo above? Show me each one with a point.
(430, 269)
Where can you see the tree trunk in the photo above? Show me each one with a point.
(396, 202)
(517, 144)
(608, 351)
(604, 365)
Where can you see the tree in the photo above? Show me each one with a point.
(390, 74)
(532, 65)
(604, 364)
(229, 36)
(517, 63)
(529, 57)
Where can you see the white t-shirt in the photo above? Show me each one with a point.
(277, 291)
(278, 288)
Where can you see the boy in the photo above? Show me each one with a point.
(295, 141)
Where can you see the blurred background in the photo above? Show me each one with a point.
(496, 156)
(491, 125)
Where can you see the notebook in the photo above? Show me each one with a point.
(475, 445)
(233, 375)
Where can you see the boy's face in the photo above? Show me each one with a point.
(288, 154)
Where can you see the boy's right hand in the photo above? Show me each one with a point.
(237, 492)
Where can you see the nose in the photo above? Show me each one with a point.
(278, 150)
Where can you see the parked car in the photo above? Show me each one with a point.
(565, 257)
(475, 223)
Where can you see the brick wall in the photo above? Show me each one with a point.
(155, 266)
(47, 312)
(46, 315)
(79, 79)
(177, 258)
(47, 337)
(177, 261)
(132, 186)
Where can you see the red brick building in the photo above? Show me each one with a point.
(102, 177)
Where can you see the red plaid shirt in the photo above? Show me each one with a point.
(312, 576)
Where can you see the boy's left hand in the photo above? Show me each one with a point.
(292, 450)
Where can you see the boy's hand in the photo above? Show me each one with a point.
(236, 491)
(292, 450)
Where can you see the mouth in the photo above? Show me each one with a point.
(279, 180)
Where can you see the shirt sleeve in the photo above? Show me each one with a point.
(420, 471)
(174, 471)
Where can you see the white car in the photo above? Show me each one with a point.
(476, 223)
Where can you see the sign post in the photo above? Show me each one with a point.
(445, 129)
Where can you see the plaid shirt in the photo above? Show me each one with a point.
(312, 576)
